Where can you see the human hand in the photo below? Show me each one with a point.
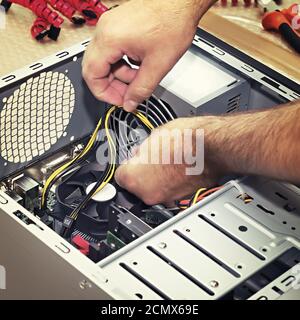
(158, 173)
(153, 33)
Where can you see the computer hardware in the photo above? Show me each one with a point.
(114, 246)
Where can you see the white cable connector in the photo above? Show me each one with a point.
(242, 192)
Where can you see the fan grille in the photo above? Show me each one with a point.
(35, 116)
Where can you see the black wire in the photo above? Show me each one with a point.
(77, 210)
(66, 231)
(77, 163)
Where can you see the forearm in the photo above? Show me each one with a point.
(263, 142)
(192, 10)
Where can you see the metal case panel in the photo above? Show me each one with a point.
(216, 245)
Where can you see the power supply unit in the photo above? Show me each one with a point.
(115, 246)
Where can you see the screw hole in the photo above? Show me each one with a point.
(212, 215)
(187, 230)
(243, 228)
(135, 263)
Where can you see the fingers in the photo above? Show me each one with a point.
(146, 80)
(123, 72)
(96, 70)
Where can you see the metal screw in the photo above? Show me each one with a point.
(214, 283)
(128, 221)
(162, 245)
(84, 284)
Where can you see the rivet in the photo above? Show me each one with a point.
(162, 245)
(214, 284)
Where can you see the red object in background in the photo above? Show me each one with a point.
(293, 15)
(278, 21)
(39, 28)
(82, 245)
(66, 9)
(48, 21)
(273, 20)
(90, 9)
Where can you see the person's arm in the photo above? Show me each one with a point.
(153, 33)
(260, 142)
(265, 142)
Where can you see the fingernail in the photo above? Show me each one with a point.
(130, 105)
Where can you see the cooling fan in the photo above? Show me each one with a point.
(96, 217)
(127, 129)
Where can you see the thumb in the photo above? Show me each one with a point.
(120, 176)
(147, 79)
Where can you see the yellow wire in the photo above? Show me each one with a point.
(112, 148)
(144, 119)
(66, 165)
(197, 195)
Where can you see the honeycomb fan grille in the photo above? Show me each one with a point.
(35, 116)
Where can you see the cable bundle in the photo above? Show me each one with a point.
(82, 156)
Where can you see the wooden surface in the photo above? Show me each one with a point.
(239, 26)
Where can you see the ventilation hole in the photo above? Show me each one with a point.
(243, 228)
(207, 253)
(36, 66)
(144, 281)
(284, 222)
(265, 210)
(277, 290)
(233, 104)
(85, 43)
(140, 296)
(288, 281)
(9, 78)
(281, 196)
(62, 54)
(181, 271)
(232, 237)
(262, 298)
(293, 228)
(35, 116)
(289, 208)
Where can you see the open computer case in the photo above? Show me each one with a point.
(221, 248)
